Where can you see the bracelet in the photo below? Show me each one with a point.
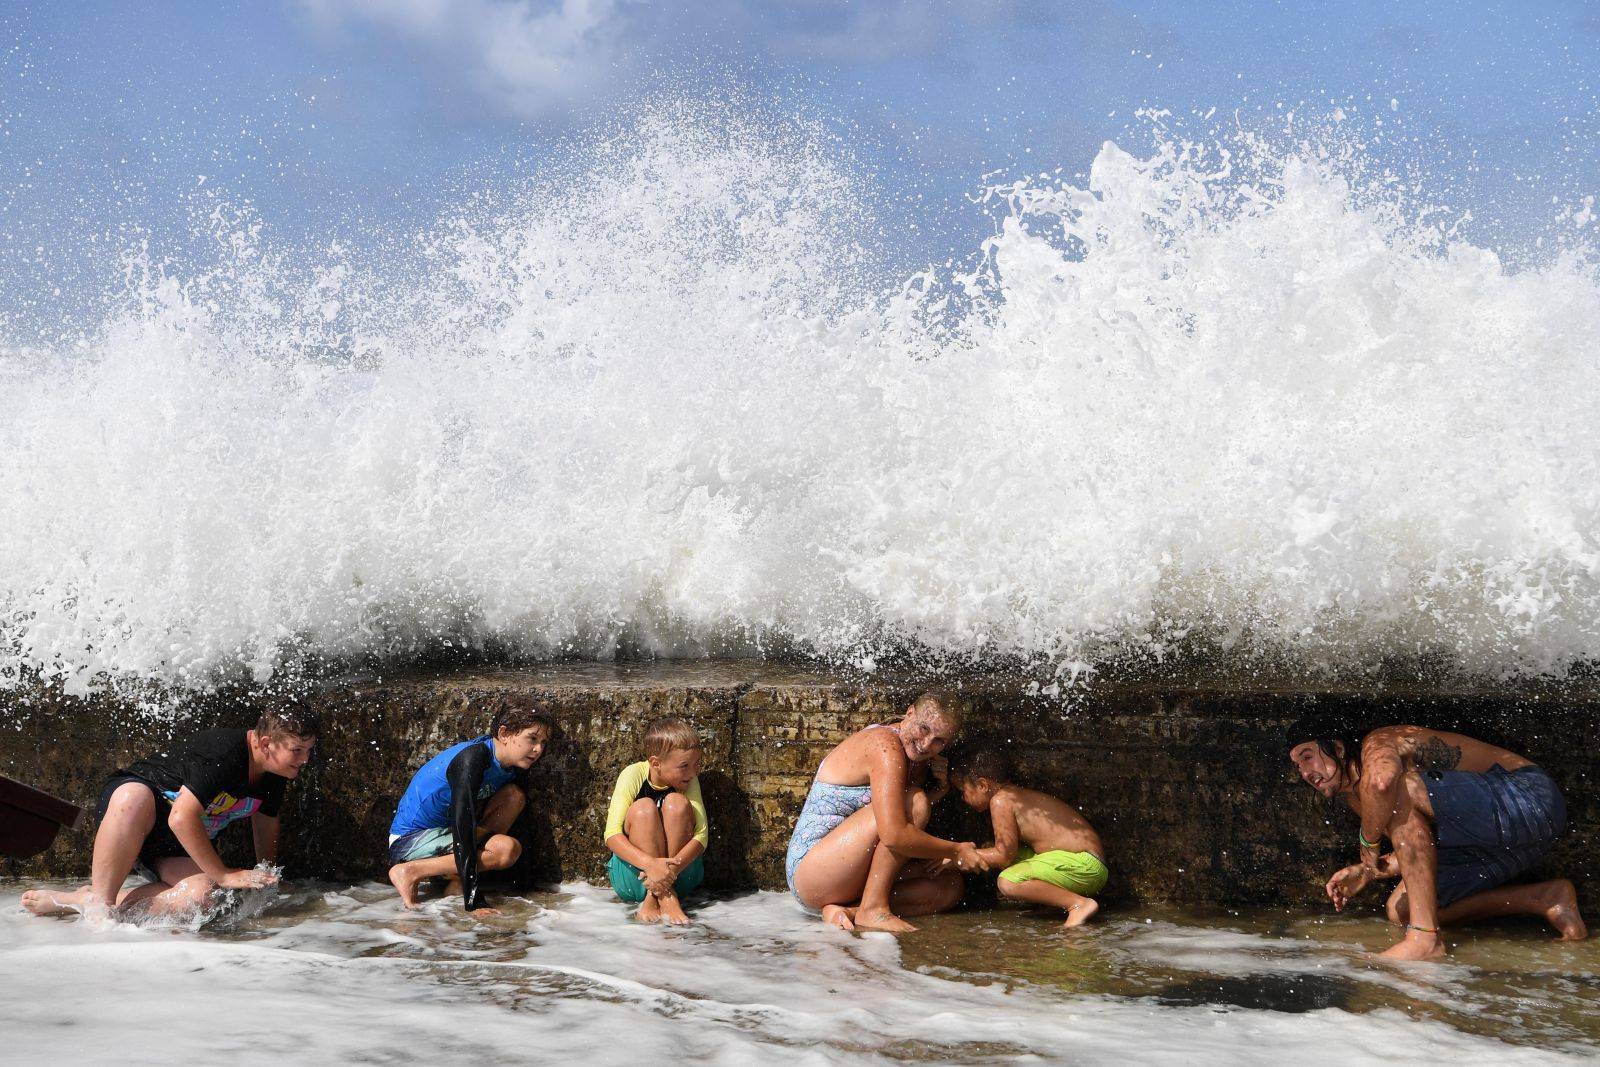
(1422, 929)
(1361, 835)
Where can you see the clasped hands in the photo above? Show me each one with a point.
(967, 858)
(660, 875)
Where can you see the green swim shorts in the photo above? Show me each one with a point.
(1076, 872)
(625, 878)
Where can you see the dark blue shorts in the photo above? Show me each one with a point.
(1491, 827)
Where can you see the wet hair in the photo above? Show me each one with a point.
(981, 761)
(515, 720)
(669, 734)
(1325, 734)
(289, 721)
(941, 703)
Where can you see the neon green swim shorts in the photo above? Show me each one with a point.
(1076, 872)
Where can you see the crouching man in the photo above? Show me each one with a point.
(1462, 817)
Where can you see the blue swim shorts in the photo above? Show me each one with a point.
(1491, 827)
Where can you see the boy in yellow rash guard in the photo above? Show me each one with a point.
(656, 826)
(1050, 853)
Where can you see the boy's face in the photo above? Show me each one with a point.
(285, 754)
(521, 749)
(976, 793)
(677, 768)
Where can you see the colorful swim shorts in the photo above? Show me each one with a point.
(421, 844)
(1076, 872)
(626, 883)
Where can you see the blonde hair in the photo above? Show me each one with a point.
(668, 735)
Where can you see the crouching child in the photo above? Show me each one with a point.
(455, 817)
(1049, 852)
(656, 826)
(162, 813)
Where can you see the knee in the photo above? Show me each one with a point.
(643, 808)
(511, 799)
(197, 887)
(675, 806)
(917, 807)
(503, 850)
(1008, 889)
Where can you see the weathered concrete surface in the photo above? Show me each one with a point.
(1187, 782)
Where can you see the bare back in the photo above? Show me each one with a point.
(1046, 823)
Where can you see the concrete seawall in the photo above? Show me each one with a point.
(1186, 781)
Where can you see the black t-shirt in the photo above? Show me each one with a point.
(215, 766)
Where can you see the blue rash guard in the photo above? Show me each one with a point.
(444, 795)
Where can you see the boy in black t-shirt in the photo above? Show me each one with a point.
(162, 813)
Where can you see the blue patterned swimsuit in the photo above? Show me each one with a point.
(827, 805)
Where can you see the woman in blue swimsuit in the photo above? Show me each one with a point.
(862, 823)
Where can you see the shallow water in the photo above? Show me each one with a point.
(342, 974)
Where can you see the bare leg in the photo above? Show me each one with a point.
(498, 850)
(182, 890)
(1078, 907)
(644, 829)
(1555, 901)
(1412, 835)
(876, 911)
(129, 818)
(407, 876)
(927, 894)
(835, 870)
(677, 820)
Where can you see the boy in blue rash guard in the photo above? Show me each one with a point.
(455, 817)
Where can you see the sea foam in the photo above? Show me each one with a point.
(666, 397)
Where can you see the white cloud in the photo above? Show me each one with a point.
(525, 58)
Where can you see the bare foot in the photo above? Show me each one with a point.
(1079, 914)
(403, 878)
(839, 915)
(649, 911)
(1563, 912)
(884, 920)
(673, 912)
(45, 902)
(1416, 945)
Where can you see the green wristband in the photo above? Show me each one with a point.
(1361, 835)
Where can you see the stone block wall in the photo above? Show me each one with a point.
(1188, 784)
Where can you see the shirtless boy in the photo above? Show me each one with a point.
(1463, 817)
(849, 858)
(163, 812)
(1050, 853)
(455, 817)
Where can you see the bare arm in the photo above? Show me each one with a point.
(886, 773)
(1378, 793)
(264, 831)
(186, 825)
(1003, 813)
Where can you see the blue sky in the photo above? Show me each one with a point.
(351, 117)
